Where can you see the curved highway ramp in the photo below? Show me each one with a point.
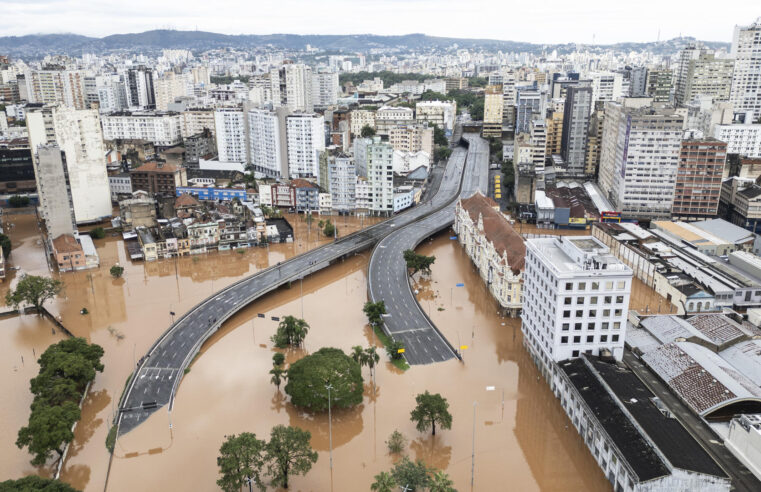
(159, 372)
(406, 321)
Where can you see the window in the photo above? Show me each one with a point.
(567, 300)
(577, 339)
(617, 325)
(619, 299)
(582, 286)
(603, 338)
(608, 286)
(592, 313)
(593, 300)
(590, 338)
(563, 340)
(577, 327)
(618, 312)
(606, 312)
(579, 313)
(569, 286)
(621, 285)
(575, 353)
(566, 326)
(605, 325)
(595, 285)
(566, 314)
(579, 300)
(608, 299)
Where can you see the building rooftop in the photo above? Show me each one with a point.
(575, 254)
(66, 243)
(725, 230)
(157, 166)
(497, 230)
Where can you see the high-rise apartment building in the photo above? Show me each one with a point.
(700, 73)
(412, 138)
(575, 300)
(746, 81)
(741, 139)
(54, 191)
(305, 133)
(138, 83)
(266, 152)
(230, 128)
(659, 84)
(639, 159)
(292, 87)
(528, 106)
(380, 177)
(325, 89)
(78, 134)
(698, 180)
(342, 183)
(638, 82)
(112, 94)
(578, 105)
(439, 113)
(493, 108)
(161, 129)
(554, 123)
(607, 86)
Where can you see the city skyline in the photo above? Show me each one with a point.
(552, 22)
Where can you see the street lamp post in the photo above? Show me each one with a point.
(301, 282)
(473, 450)
(330, 424)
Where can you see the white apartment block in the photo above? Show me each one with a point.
(78, 134)
(325, 89)
(746, 81)
(380, 175)
(264, 143)
(305, 134)
(606, 86)
(162, 129)
(343, 182)
(292, 87)
(111, 93)
(360, 155)
(387, 117)
(359, 119)
(639, 159)
(230, 129)
(741, 139)
(362, 196)
(439, 113)
(170, 86)
(575, 299)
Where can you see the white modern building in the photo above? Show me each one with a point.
(575, 299)
(56, 207)
(266, 153)
(342, 181)
(741, 139)
(640, 158)
(701, 73)
(746, 81)
(380, 176)
(305, 133)
(162, 129)
(230, 129)
(325, 89)
(78, 134)
(404, 197)
(195, 121)
(292, 87)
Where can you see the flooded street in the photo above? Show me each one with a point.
(525, 441)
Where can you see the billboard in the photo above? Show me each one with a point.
(610, 216)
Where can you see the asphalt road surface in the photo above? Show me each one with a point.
(159, 372)
(406, 321)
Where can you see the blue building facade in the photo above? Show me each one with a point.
(212, 193)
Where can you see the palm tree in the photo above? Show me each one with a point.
(440, 482)
(358, 355)
(384, 482)
(278, 375)
(371, 358)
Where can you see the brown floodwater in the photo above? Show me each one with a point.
(125, 318)
(522, 437)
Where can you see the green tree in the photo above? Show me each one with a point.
(278, 374)
(48, 431)
(73, 359)
(358, 355)
(371, 358)
(367, 131)
(308, 377)
(241, 458)
(17, 201)
(33, 290)
(396, 442)
(439, 481)
(5, 244)
(384, 482)
(441, 153)
(35, 483)
(439, 137)
(477, 81)
(98, 233)
(430, 95)
(508, 172)
(116, 271)
(431, 410)
(417, 262)
(278, 359)
(374, 312)
(413, 475)
(289, 452)
(290, 332)
(393, 348)
(330, 229)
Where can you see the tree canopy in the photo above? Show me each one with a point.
(65, 369)
(388, 77)
(290, 332)
(367, 131)
(384, 482)
(431, 410)
(374, 312)
(5, 244)
(116, 271)
(241, 458)
(417, 262)
(329, 229)
(439, 136)
(33, 290)
(35, 483)
(308, 377)
(413, 475)
(289, 452)
(18, 201)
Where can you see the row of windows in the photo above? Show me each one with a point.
(608, 286)
(605, 325)
(593, 300)
(589, 339)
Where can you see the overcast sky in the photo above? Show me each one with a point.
(537, 21)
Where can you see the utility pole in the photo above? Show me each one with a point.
(330, 424)
(473, 451)
(301, 282)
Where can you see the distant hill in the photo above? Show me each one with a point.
(36, 45)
